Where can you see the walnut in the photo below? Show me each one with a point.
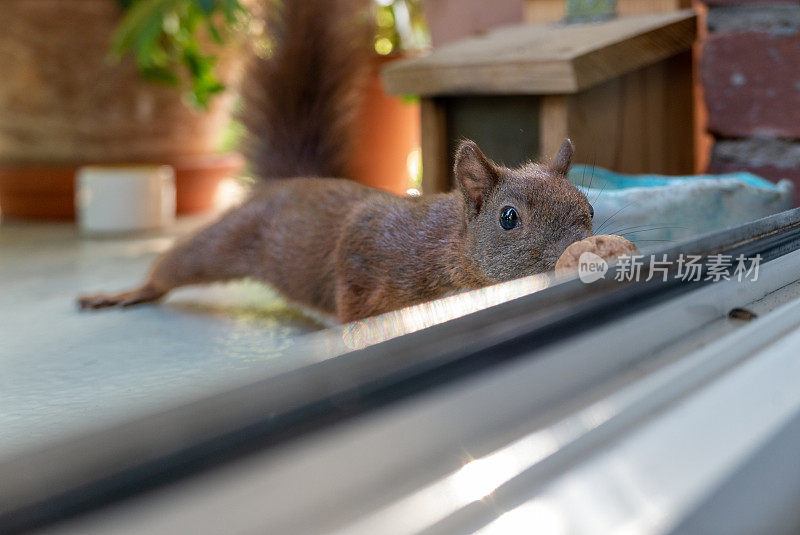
(606, 246)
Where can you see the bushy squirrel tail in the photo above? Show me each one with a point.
(301, 95)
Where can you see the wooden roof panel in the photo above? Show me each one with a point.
(544, 58)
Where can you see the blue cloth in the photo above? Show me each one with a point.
(583, 174)
(655, 210)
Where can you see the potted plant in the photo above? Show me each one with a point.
(386, 148)
(387, 127)
(63, 104)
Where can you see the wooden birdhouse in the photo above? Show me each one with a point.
(620, 89)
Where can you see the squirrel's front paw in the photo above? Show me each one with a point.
(144, 294)
(607, 246)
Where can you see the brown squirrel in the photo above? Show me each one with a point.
(344, 249)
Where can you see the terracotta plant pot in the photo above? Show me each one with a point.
(388, 130)
(37, 192)
(197, 179)
(63, 104)
(44, 191)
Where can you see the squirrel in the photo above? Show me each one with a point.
(343, 249)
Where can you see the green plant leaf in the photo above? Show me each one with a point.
(140, 26)
(160, 75)
(207, 6)
(232, 10)
(164, 38)
(214, 33)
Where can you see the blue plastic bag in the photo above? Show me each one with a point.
(656, 210)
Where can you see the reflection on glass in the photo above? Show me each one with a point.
(371, 331)
(537, 516)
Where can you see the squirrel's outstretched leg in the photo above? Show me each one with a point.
(225, 250)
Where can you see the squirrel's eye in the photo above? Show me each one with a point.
(591, 211)
(509, 218)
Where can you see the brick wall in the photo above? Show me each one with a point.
(452, 20)
(751, 77)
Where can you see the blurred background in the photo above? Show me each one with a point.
(155, 81)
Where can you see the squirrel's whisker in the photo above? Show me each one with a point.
(644, 228)
(609, 218)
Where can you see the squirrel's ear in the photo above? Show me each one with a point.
(563, 159)
(475, 174)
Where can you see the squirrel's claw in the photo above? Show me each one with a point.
(145, 294)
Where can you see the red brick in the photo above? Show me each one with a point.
(770, 172)
(452, 20)
(752, 84)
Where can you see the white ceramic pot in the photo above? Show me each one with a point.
(124, 199)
